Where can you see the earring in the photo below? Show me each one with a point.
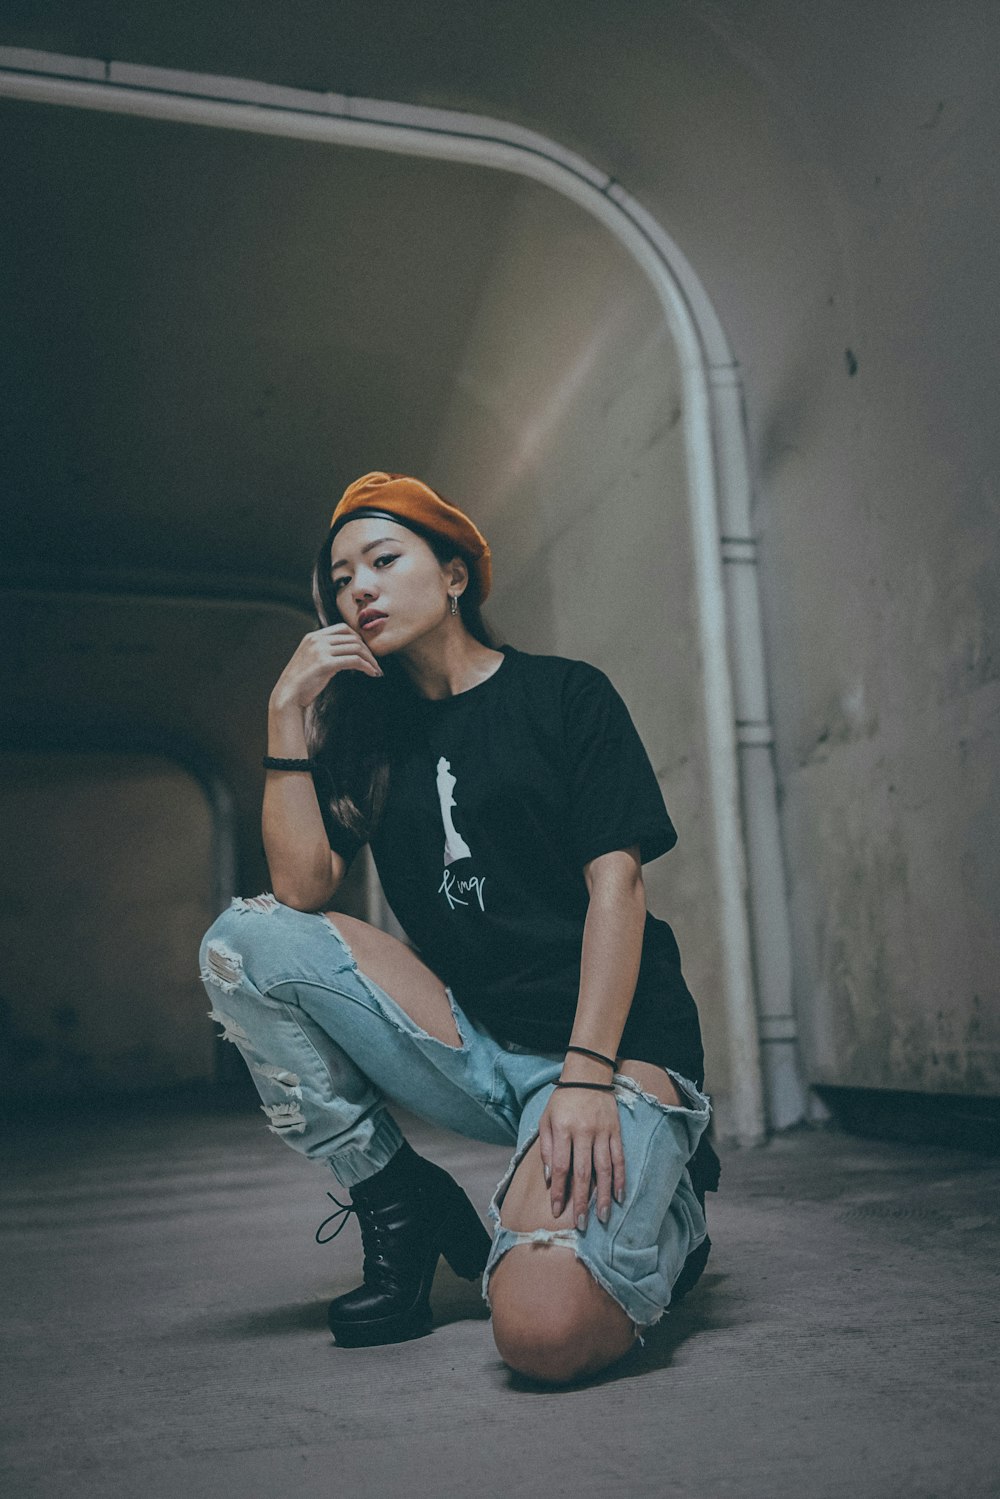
(454, 603)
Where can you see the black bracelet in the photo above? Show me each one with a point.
(269, 762)
(598, 1087)
(586, 1052)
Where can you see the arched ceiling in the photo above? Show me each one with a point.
(208, 334)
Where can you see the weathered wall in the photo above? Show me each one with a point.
(183, 678)
(827, 170)
(876, 455)
(106, 883)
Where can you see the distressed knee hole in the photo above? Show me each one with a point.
(554, 1336)
(284, 1118)
(511, 1238)
(544, 1328)
(567, 1238)
(223, 967)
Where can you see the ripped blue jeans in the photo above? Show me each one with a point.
(327, 1047)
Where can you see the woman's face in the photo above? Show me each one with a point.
(380, 566)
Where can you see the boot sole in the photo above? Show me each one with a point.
(415, 1323)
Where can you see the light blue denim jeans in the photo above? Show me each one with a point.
(327, 1047)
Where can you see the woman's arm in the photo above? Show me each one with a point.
(305, 871)
(580, 1129)
(611, 954)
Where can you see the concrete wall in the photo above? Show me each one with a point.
(876, 454)
(106, 882)
(184, 678)
(828, 172)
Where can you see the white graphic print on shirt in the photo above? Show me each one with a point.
(455, 846)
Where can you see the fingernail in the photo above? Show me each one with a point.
(557, 1207)
(581, 1223)
(604, 1214)
(620, 1194)
(548, 1174)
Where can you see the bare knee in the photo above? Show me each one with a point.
(550, 1350)
(554, 1348)
(551, 1321)
(536, 1318)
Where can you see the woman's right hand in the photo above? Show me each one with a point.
(319, 656)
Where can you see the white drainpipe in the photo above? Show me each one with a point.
(770, 928)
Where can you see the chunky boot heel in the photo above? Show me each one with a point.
(410, 1213)
(462, 1239)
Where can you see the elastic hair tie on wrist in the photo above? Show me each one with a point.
(597, 1087)
(272, 762)
(586, 1052)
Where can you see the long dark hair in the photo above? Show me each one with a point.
(356, 723)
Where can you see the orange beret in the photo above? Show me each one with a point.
(415, 504)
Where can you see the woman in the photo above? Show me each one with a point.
(510, 805)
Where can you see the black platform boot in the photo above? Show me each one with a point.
(704, 1168)
(409, 1213)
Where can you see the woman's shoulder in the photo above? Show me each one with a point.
(565, 683)
(547, 668)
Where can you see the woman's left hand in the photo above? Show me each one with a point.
(580, 1138)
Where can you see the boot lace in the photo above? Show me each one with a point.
(373, 1234)
(344, 1211)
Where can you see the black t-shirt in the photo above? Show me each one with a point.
(497, 798)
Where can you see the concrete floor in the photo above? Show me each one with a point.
(165, 1334)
